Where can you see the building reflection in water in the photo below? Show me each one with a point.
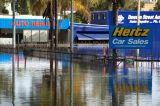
(127, 82)
(65, 82)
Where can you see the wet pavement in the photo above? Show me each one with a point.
(30, 81)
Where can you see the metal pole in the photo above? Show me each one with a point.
(51, 25)
(39, 37)
(138, 12)
(138, 20)
(71, 35)
(31, 36)
(13, 26)
(138, 23)
(18, 44)
(56, 20)
(56, 24)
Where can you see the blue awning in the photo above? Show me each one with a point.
(93, 36)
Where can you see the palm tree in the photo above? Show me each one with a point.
(39, 6)
(98, 5)
(157, 7)
(63, 5)
(2, 6)
(115, 22)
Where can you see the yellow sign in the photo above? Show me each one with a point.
(122, 32)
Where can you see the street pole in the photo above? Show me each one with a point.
(51, 25)
(13, 26)
(138, 21)
(138, 12)
(56, 23)
(138, 24)
(71, 28)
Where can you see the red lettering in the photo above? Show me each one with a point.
(48, 24)
(38, 23)
(42, 23)
(16, 23)
(25, 23)
(33, 23)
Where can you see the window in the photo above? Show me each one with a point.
(103, 16)
(99, 16)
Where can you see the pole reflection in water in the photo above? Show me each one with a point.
(137, 88)
(71, 79)
(13, 79)
(25, 58)
(55, 86)
(114, 79)
(18, 61)
(51, 78)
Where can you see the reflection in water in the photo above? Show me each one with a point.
(65, 82)
(13, 79)
(71, 80)
(55, 81)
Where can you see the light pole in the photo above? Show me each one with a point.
(51, 25)
(138, 21)
(71, 28)
(138, 12)
(13, 26)
(56, 22)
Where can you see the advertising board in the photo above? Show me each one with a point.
(130, 17)
(130, 37)
(32, 23)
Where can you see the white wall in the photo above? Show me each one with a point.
(150, 0)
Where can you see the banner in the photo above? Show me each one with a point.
(32, 23)
(130, 17)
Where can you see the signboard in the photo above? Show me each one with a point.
(130, 37)
(130, 17)
(32, 23)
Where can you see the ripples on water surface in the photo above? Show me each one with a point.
(94, 84)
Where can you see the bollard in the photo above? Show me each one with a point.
(104, 51)
(104, 54)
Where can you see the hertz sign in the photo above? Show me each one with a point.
(130, 37)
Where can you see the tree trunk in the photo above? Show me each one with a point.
(51, 25)
(115, 22)
(56, 23)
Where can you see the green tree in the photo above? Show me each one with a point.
(3, 9)
(98, 5)
(157, 6)
(22, 7)
(38, 8)
(132, 5)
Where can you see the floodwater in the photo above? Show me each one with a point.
(31, 81)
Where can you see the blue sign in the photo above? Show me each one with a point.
(126, 17)
(32, 23)
(130, 17)
(130, 37)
